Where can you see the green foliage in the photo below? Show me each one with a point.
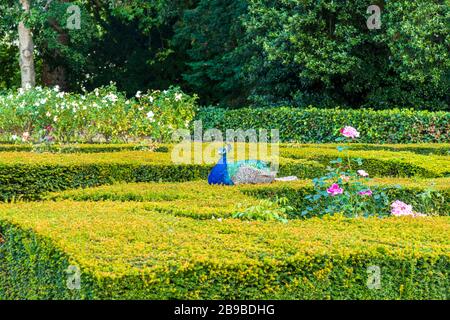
(27, 175)
(9, 57)
(356, 200)
(314, 125)
(214, 39)
(326, 55)
(345, 191)
(49, 116)
(197, 199)
(422, 196)
(296, 52)
(266, 210)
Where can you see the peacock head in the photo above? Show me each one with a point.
(225, 150)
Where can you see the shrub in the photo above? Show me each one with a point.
(45, 115)
(25, 175)
(424, 195)
(442, 149)
(128, 253)
(202, 201)
(322, 125)
(266, 210)
(322, 53)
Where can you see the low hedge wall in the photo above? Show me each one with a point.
(428, 196)
(127, 252)
(80, 148)
(378, 162)
(322, 125)
(442, 149)
(199, 200)
(25, 175)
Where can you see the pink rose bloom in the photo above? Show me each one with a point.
(334, 190)
(350, 132)
(399, 208)
(363, 173)
(367, 192)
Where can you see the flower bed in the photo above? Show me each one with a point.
(47, 116)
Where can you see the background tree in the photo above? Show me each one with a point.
(329, 56)
(213, 36)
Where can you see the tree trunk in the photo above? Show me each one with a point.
(26, 48)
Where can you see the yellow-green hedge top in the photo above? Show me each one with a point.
(113, 239)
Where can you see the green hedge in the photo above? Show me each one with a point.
(424, 196)
(127, 252)
(25, 175)
(322, 125)
(442, 149)
(78, 148)
(199, 200)
(378, 162)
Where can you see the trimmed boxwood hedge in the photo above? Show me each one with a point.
(25, 175)
(378, 162)
(430, 196)
(442, 149)
(199, 200)
(127, 252)
(81, 148)
(32, 181)
(322, 125)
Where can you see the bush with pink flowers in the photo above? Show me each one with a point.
(344, 190)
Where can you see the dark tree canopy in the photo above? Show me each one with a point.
(243, 52)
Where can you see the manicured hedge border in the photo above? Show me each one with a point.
(27, 176)
(314, 259)
(379, 162)
(322, 125)
(80, 148)
(31, 182)
(442, 149)
(199, 200)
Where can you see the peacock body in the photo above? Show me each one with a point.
(240, 172)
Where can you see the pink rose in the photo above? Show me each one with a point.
(334, 190)
(349, 132)
(367, 192)
(362, 173)
(399, 208)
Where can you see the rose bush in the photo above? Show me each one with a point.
(344, 191)
(47, 115)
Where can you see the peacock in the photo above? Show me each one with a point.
(241, 172)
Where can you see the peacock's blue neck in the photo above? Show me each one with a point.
(223, 159)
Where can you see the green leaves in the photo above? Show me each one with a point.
(313, 125)
(266, 210)
(324, 54)
(104, 113)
